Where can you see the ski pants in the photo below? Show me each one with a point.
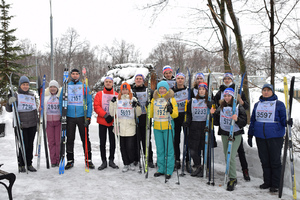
(128, 149)
(71, 129)
(112, 142)
(28, 137)
(178, 127)
(165, 150)
(242, 155)
(54, 136)
(235, 145)
(142, 137)
(269, 152)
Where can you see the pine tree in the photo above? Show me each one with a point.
(10, 53)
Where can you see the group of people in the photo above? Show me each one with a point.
(171, 111)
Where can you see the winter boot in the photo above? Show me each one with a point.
(168, 176)
(22, 169)
(231, 184)
(91, 165)
(135, 163)
(125, 168)
(69, 165)
(273, 189)
(132, 167)
(198, 172)
(264, 186)
(103, 165)
(157, 174)
(246, 175)
(112, 164)
(151, 165)
(31, 168)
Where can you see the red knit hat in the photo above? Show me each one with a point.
(126, 86)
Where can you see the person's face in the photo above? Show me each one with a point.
(227, 80)
(201, 91)
(227, 98)
(75, 75)
(199, 80)
(53, 90)
(168, 74)
(108, 83)
(125, 91)
(267, 92)
(180, 80)
(138, 81)
(24, 86)
(162, 90)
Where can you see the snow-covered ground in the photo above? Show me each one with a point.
(113, 184)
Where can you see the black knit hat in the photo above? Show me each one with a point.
(75, 70)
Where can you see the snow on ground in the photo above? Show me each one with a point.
(113, 184)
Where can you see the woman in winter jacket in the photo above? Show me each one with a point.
(127, 109)
(163, 110)
(268, 121)
(52, 117)
(223, 116)
(27, 109)
(196, 121)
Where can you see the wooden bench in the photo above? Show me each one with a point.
(11, 177)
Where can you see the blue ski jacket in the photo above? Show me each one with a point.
(78, 111)
(269, 130)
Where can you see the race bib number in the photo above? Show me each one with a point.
(75, 96)
(106, 98)
(124, 109)
(142, 97)
(199, 110)
(160, 111)
(225, 119)
(265, 111)
(181, 97)
(53, 106)
(26, 103)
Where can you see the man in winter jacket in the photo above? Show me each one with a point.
(75, 117)
(105, 121)
(168, 76)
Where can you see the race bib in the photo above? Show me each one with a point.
(181, 97)
(199, 110)
(53, 106)
(26, 103)
(160, 111)
(124, 109)
(195, 91)
(142, 97)
(106, 98)
(265, 111)
(225, 119)
(75, 95)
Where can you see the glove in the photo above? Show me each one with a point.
(108, 118)
(134, 104)
(170, 108)
(147, 103)
(11, 100)
(250, 140)
(290, 122)
(87, 122)
(114, 99)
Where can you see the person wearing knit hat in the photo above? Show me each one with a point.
(127, 109)
(222, 118)
(181, 95)
(26, 106)
(105, 121)
(52, 117)
(140, 91)
(199, 78)
(168, 76)
(242, 100)
(196, 122)
(78, 117)
(163, 110)
(267, 124)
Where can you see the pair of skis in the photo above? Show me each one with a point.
(148, 120)
(288, 143)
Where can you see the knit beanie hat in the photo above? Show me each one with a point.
(110, 78)
(23, 79)
(75, 70)
(228, 75)
(54, 83)
(267, 85)
(125, 86)
(180, 74)
(163, 84)
(203, 84)
(229, 91)
(199, 75)
(140, 75)
(167, 68)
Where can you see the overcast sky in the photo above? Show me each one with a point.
(97, 21)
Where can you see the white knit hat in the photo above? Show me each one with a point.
(54, 83)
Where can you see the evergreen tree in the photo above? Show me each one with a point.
(10, 53)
